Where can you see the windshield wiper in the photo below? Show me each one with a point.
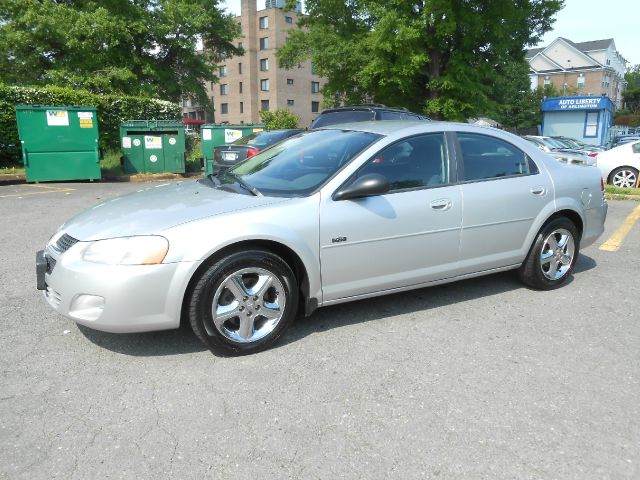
(245, 185)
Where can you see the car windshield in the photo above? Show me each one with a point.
(260, 138)
(345, 116)
(299, 165)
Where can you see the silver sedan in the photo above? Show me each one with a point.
(328, 216)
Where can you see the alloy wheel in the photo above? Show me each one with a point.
(248, 305)
(557, 254)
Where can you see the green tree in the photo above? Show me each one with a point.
(136, 47)
(279, 119)
(632, 92)
(443, 57)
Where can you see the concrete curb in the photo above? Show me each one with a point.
(137, 178)
(621, 196)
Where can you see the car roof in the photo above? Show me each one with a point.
(389, 127)
(366, 106)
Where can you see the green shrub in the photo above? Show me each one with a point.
(112, 111)
(110, 164)
(279, 119)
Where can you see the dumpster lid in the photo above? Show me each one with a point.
(231, 125)
(152, 124)
(54, 107)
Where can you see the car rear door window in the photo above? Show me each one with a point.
(415, 162)
(485, 157)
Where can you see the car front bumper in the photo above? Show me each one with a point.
(113, 298)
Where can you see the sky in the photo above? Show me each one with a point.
(584, 20)
(580, 21)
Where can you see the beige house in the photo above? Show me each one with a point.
(254, 82)
(588, 68)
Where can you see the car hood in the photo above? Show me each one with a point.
(158, 208)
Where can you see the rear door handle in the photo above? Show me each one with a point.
(540, 190)
(441, 204)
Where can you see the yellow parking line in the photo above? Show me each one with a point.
(49, 187)
(615, 241)
(48, 190)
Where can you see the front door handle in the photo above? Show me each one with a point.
(539, 190)
(441, 204)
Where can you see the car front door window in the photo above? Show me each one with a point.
(416, 162)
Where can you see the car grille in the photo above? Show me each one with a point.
(53, 297)
(64, 243)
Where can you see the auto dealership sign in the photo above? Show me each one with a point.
(577, 103)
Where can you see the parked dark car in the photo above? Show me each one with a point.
(225, 156)
(363, 113)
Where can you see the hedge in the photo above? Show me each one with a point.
(629, 120)
(112, 111)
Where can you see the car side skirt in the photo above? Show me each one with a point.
(421, 285)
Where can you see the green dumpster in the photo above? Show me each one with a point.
(153, 146)
(59, 143)
(213, 135)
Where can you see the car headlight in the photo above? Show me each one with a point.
(141, 250)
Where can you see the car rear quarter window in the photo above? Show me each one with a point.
(347, 116)
(485, 157)
(385, 115)
(415, 162)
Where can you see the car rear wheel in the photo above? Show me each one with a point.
(624, 177)
(552, 256)
(243, 303)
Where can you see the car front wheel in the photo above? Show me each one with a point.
(624, 177)
(552, 256)
(243, 303)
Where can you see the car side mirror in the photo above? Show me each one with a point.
(364, 186)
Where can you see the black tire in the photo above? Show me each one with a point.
(625, 177)
(237, 271)
(535, 272)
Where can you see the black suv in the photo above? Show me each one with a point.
(363, 113)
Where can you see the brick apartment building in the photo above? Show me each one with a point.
(254, 82)
(588, 68)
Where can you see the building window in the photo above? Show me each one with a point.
(240, 43)
(315, 87)
(224, 108)
(264, 105)
(315, 107)
(241, 107)
(547, 81)
(264, 85)
(313, 70)
(185, 102)
(591, 124)
(608, 61)
(240, 87)
(288, 19)
(581, 81)
(240, 68)
(264, 43)
(289, 81)
(223, 71)
(264, 64)
(264, 22)
(223, 89)
(290, 102)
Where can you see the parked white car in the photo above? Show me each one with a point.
(620, 165)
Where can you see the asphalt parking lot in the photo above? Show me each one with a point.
(482, 379)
